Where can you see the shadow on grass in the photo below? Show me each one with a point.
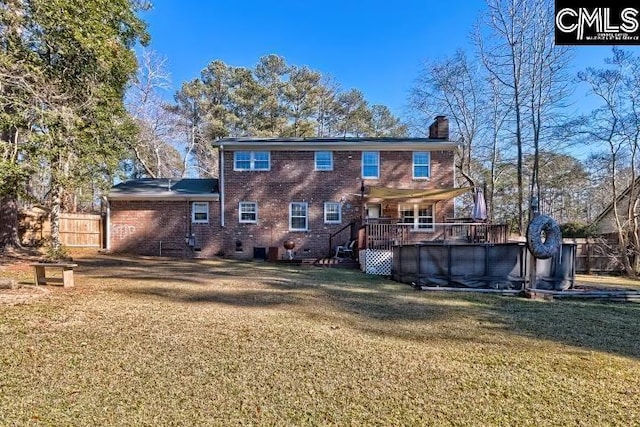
(374, 305)
(239, 299)
(602, 326)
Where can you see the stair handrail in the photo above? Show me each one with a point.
(333, 235)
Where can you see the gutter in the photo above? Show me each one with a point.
(165, 196)
(279, 145)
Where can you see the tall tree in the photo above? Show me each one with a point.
(272, 99)
(453, 87)
(616, 125)
(270, 75)
(355, 115)
(385, 124)
(154, 154)
(20, 94)
(302, 98)
(327, 115)
(515, 44)
(82, 53)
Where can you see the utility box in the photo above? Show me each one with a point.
(274, 254)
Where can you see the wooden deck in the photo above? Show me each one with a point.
(386, 235)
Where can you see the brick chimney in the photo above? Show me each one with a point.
(439, 129)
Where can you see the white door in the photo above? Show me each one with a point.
(373, 211)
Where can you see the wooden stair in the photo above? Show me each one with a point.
(328, 262)
(336, 263)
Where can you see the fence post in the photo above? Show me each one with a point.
(588, 252)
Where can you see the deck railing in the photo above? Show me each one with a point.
(385, 235)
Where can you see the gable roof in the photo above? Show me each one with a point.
(336, 144)
(609, 208)
(166, 189)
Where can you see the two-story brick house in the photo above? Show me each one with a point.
(305, 190)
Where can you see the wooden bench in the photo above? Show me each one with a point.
(67, 273)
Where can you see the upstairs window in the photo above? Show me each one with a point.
(248, 212)
(332, 214)
(200, 212)
(324, 160)
(251, 161)
(298, 216)
(421, 164)
(370, 164)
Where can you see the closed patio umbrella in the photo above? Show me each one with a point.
(479, 212)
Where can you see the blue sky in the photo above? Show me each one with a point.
(375, 46)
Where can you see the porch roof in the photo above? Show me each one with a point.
(386, 193)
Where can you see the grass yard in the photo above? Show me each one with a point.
(178, 342)
(608, 282)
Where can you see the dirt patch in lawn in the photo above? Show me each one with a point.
(16, 277)
(22, 294)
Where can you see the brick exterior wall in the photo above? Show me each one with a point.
(292, 178)
(138, 227)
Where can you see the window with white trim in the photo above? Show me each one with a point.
(332, 213)
(323, 160)
(370, 164)
(248, 212)
(251, 160)
(419, 217)
(200, 212)
(299, 216)
(421, 164)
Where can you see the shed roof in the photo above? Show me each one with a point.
(166, 188)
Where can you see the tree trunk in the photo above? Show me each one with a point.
(9, 223)
(56, 207)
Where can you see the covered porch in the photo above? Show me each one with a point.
(396, 217)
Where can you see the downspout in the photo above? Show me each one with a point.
(108, 227)
(454, 185)
(189, 222)
(221, 183)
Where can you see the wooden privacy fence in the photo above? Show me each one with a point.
(76, 230)
(81, 230)
(596, 255)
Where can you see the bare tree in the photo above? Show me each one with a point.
(515, 44)
(453, 87)
(153, 149)
(616, 123)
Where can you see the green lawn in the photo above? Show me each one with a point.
(158, 342)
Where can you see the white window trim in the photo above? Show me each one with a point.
(415, 226)
(244, 221)
(193, 213)
(252, 161)
(428, 165)
(315, 161)
(339, 220)
(306, 205)
(377, 153)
